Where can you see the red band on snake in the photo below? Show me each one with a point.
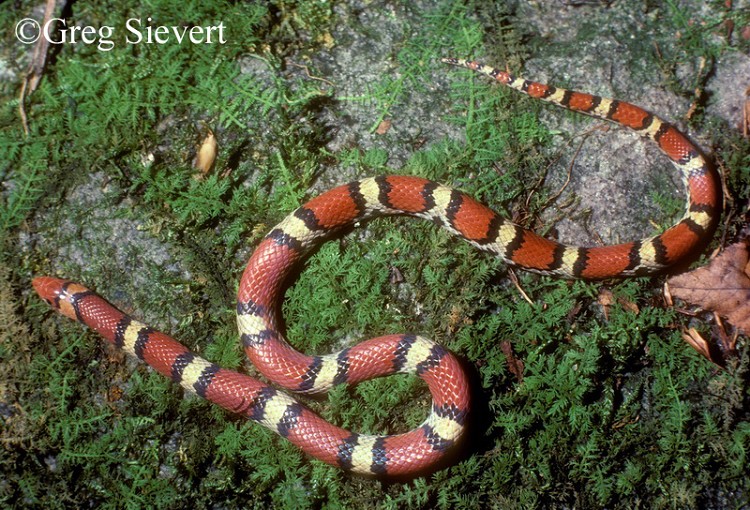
(292, 240)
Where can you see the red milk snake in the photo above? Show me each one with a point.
(292, 240)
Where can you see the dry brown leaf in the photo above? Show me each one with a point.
(697, 342)
(723, 286)
(629, 305)
(206, 156)
(515, 365)
(395, 276)
(719, 349)
(573, 312)
(115, 393)
(606, 299)
(383, 127)
(726, 343)
(454, 318)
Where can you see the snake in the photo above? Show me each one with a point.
(280, 253)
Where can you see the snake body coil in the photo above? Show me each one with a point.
(261, 292)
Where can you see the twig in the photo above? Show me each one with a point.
(698, 92)
(514, 279)
(307, 72)
(36, 67)
(746, 114)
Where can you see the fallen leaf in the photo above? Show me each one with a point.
(606, 299)
(573, 312)
(515, 365)
(115, 393)
(629, 305)
(703, 346)
(206, 156)
(723, 286)
(454, 319)
(383, 127)
(395, 276)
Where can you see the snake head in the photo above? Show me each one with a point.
(60, 294)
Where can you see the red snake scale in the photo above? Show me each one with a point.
(292, 240)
